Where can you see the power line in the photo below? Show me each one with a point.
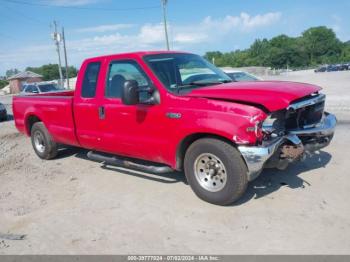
(23, 15)
(80, 7)
(8, 36)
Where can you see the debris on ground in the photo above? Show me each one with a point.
(12, 236)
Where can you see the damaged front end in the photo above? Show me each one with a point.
(289, 134)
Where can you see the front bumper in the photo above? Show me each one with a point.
(311, 139)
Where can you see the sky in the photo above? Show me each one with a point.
(100, 27)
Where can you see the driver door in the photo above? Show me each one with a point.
(130, 130)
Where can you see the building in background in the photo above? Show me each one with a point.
(17, 81)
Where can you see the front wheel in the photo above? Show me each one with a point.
(215, 171)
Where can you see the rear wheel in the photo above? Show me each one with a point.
(215, 171)
(4, 118)
(44, 146)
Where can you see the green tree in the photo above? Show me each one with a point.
(259, 52)
(321, 45)
(3, 83)
(285, 52)
(50, 71)
(11, 72)
(317, 45)
(213, 55)
(345, 55)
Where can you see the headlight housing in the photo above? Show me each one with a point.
(274, 124)
(269, 125)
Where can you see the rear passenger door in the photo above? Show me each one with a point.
(86, 107)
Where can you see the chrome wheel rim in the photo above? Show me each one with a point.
(39, 142)
(210, 172)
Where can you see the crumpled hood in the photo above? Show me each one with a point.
(273, 95)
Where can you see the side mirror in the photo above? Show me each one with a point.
(130, 93)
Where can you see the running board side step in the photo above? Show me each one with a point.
(115, 161)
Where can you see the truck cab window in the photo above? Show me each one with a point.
(90, 80)
(121, 71)
(29, 89)
(35, 90)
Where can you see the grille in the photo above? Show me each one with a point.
(306, 112)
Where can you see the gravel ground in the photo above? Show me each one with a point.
(72, 205)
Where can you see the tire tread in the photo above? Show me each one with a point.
(51, 147)
(232, 154)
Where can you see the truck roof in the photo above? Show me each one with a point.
(138, 53)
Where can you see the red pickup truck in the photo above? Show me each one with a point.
(164, 111)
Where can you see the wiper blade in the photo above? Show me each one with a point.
(201, 83)
(205, 83)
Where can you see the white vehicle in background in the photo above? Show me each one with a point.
(39, 88)
(241, 76)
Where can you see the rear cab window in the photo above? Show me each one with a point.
(28, 89)
(89, 85)
(35, 90)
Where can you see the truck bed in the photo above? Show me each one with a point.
(54, 109)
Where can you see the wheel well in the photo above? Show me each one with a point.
(187, 141)
(31, 120)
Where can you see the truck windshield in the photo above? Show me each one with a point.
(181, 71)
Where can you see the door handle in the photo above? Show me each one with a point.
(101, 112)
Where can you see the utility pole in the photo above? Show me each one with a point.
(65, 56)
(164, 3)
(57, 39)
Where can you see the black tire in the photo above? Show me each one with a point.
(49, 150)
(4, 118)
(235, 169)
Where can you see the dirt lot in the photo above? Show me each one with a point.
(71, 205)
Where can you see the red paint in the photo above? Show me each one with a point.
(273, 95)
(145, 131)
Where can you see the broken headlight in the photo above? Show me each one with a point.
(274, 124)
